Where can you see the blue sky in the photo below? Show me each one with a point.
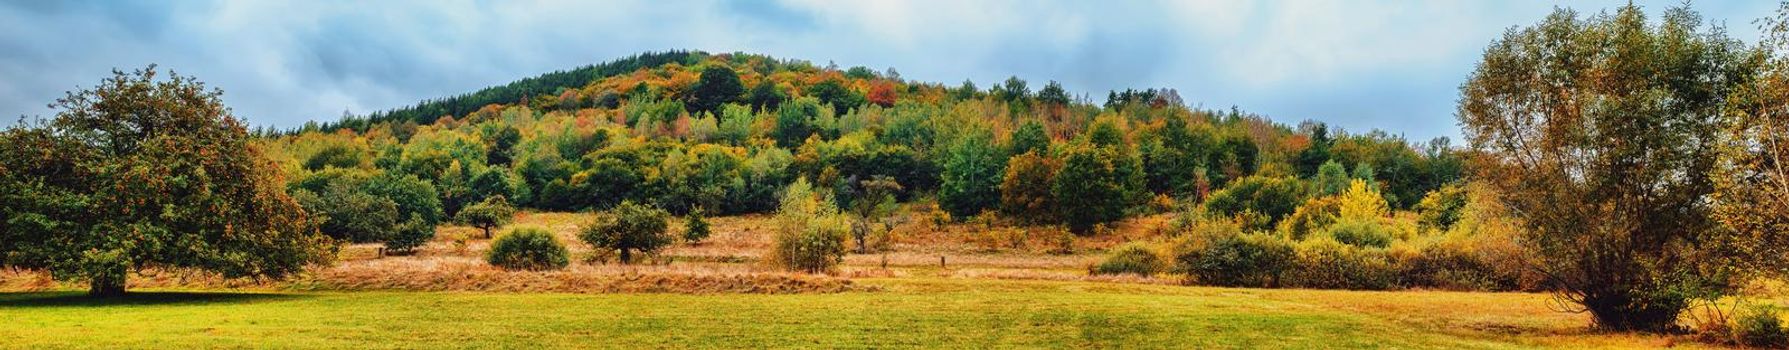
(1392, 65)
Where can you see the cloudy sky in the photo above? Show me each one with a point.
(1393, 65)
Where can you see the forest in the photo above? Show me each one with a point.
(1630, 168)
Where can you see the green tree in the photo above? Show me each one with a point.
(1053, 94)
(1029, 137)
(489, 214)
(695, 226)
(1090, 188)
(142, 172)
(766, 96)
(718, 85)
(345, 213)
(1332, 179)
(1600, 134)
(629, 227)
(339, 156)
(971, 176)
(795, 122)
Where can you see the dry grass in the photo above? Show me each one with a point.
(465, 274)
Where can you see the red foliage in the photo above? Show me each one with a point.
(882, 93)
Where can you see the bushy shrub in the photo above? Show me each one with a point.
(1327, 264)
(1362, 233)
(528, 248)
(1133, 258)
(1313, 217)
(410, 235)
(1242, 260)
(1453, 265)
(1760, 326)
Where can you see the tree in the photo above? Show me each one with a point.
(629, 227)
(1311, 158)
(143, 172)
(1263, 200)
(695, 226)
(795, 122)
(503, 143)
(489, 214)
(766, 96)
(1089, 187)
(1332, 179)
(810, 231)
(718, 85)
(1053, 94)
(1752, 178)
(882, 93)
(971, 176)
(1025, 190)
(833, 92)
(339, 156)
(347, 214)
(1600, 134)
(875, 201)
(1029, 137)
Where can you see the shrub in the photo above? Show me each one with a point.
(1242, 260)
(695, 227)
(1361, 233)
(1272, 198)
(810, 231)
(627, 228)
(410, 235)
(1134, 258)
(529, 248)
(1314, 216)
(1327, 264)
(1760, 326)
(1453, 265)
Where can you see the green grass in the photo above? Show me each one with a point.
(909, 313)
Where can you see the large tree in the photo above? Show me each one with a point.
(143, 172)
(718, 85)
(1600, 134)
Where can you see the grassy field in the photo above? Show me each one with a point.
(906, 312)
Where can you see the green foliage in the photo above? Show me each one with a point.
(1760, 326)
(489, 214)
(142, 172)
(629, 227)
(1314, 216)
(338, 156)
(347, 214)
(834, 93)
(718, 85)
(795, 121)
(528, 248)
(1440, 209)
(1363, 233)
(971, 177)
(766, 96)
(1134, 258)
(412, 196)
(874, 201)
(695, 227)
(1029, 137)
(1238, 260)
(1053, 94)
(810, 231)
(1332, 178)
(1091, 176)
(410, 235)
(1271, 198)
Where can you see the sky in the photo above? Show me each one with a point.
(1359, 65)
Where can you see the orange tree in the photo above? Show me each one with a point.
(138, 173)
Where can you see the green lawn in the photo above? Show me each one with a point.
(928, 313)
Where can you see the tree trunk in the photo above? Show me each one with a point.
(107, 286)
(487, 232)
(625, 257)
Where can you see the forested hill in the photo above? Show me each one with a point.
(725, 133)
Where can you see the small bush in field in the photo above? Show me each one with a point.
(810, 231)
(1327, 264)
(695, 227)
(1761, 327)
(412, 234)
(1241, 260)
(528, 248)
(1134, 258)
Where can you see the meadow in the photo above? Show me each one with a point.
(716, 295)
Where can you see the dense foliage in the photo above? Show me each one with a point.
(145, 172)
(628, 228)
(528, 248)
